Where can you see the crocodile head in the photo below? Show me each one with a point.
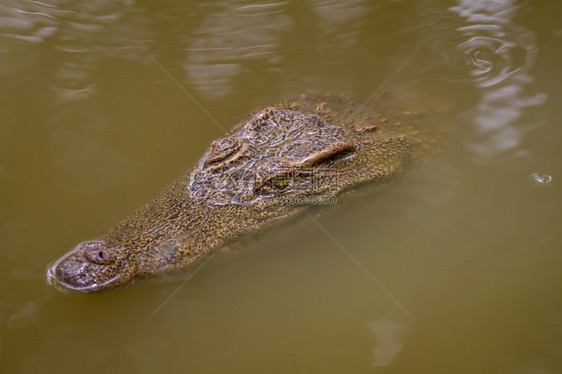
(93, 265)
(267, 168)
(279, 154)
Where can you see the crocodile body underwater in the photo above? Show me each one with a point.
(271, 166)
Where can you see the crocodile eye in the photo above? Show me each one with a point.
(277, 183)
(281, 181)
(98, 255)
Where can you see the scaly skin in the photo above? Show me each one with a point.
(312, 147)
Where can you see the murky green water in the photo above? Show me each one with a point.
(457, 266)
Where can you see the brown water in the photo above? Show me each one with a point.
(456, 269)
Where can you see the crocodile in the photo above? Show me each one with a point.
(272, 165)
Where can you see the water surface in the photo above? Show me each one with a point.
(454, 268)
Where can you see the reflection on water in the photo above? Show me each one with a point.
(233, 37)
(80, 29)
(79, 36)
(542, 180)
(336, 17)
(390, 336)
(73, 79)
(228, 38)
(229, 41)
(500, 54)
(25, 314)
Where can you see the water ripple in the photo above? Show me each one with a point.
(499, 55)
(494, 59)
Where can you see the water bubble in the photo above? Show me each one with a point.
(541, 179)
